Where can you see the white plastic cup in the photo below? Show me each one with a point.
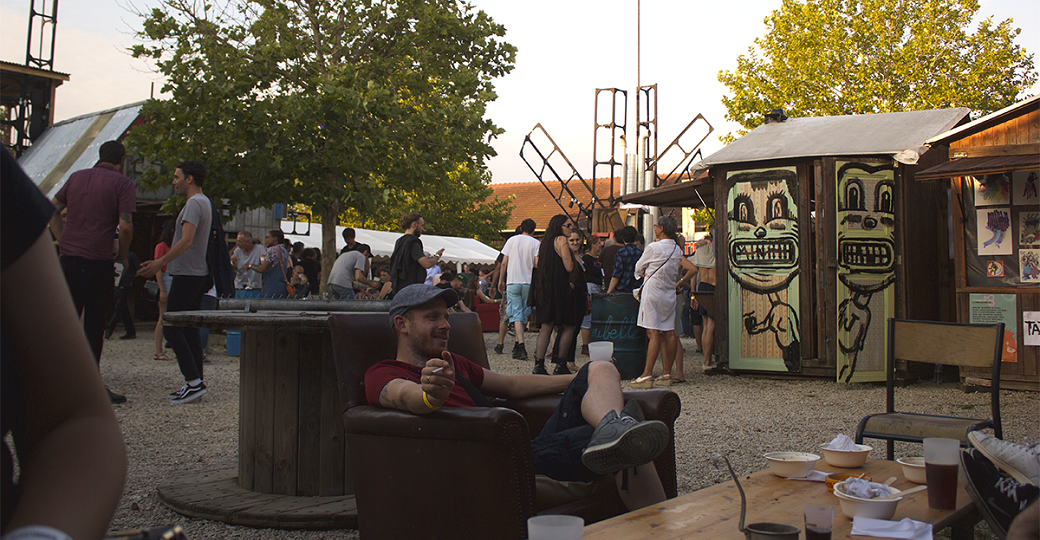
(555, 527)
(601, 350)
(941, 459)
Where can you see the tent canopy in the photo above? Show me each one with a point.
(456, 250)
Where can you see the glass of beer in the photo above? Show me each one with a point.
(940, 467)
(819, 519)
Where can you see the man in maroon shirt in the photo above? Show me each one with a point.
(591, 434)
(97, 199)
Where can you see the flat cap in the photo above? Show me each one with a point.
(417, 295)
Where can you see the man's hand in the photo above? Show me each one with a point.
(438, 378)
(149, 268)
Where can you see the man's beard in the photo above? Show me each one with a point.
(417, 233)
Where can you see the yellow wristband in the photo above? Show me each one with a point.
(426, 400)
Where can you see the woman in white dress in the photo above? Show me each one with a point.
(660, 267)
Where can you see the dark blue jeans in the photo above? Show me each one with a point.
(185, 294)
(91, 284)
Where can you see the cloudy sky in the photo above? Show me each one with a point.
(567, 49)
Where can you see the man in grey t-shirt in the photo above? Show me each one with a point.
(348, 267)
(186, 262)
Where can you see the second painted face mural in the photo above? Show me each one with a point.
(763, 249)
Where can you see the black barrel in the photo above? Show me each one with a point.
(614, 319)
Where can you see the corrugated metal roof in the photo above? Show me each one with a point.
(861, 134)
(73, 144)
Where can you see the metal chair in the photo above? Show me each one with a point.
(958, 344)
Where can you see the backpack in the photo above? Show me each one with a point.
(219, 259)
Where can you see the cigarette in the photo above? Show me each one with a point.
(438, 370)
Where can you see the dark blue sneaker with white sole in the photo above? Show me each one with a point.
(189, 393)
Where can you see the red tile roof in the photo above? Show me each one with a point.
(533, 200)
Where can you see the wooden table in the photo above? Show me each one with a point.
(291, 469)
(715, 512)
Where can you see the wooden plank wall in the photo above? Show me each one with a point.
(1015, 136)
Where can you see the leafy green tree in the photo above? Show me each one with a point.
(333, 104)
(839, 57)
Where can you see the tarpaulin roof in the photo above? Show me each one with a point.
(456, 250)
(73, 144)
(854, 135)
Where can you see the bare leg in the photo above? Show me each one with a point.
(519, 327)
(503, 325)
(653, 347)
(604, 393)
(644, 487)
(1026, 524)
(698, 331)
(158, 329)
(708, 340)
(586, 336)
(668, 340)
(679, 352)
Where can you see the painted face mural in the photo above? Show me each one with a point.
(763, 265)
(866, 258)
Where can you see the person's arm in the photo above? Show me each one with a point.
(429, 262)
(71, 451)
(126, 235)
(484, 298)
(563, 249)
(385, 290)
(500, 280)
(408, 396)
(360, 276)
(691, 271)
(523, 386)
(613, 283)
(153, 267)
(263, 267)
(57, 225)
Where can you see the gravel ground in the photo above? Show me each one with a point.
(744, 416)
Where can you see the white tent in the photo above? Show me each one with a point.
(456, 250)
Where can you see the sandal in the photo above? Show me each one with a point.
(162, 356)
(643, 382)
(664, 380)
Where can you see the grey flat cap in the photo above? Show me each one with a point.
(417, 295)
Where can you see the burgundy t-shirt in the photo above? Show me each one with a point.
(378, 375)
(95, 198)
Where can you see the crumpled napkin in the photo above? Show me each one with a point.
(906, 528)
(842, 442)
(814, 476)
(864, 489)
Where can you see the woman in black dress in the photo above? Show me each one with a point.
(556, 286)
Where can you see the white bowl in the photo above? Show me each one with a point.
(913, 469)
(849, 459)
(869, 508)
(792, 464)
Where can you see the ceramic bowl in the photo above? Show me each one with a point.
(849, 459)
(869, 508)
(913, 469)
(840, 477)
(791, 464)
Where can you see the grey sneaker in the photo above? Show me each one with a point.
(623, 442)
(189, 393)
(1020, 461)
(498, 349)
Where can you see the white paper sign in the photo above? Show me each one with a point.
(1031, 328)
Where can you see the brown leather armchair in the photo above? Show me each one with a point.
(455, 473)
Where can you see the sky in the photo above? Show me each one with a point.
(566, 50)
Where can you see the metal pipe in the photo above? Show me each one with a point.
(291, 304)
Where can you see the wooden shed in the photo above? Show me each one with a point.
(992, 178)
(822, 234)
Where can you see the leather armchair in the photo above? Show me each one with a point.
(455, 473)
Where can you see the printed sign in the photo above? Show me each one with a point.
(1031, 328)
(997, 308)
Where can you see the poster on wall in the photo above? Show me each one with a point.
(992, 189)
(993, 309)
(994, 231)
(1031, 328)
(762, 242)
(1023, 188)
(1029, 228)
(1029, 259)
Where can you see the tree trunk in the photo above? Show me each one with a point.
(329, 220)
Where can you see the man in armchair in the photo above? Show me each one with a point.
(592, 432)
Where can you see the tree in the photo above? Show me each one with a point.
(839, 57)
(333, 104)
